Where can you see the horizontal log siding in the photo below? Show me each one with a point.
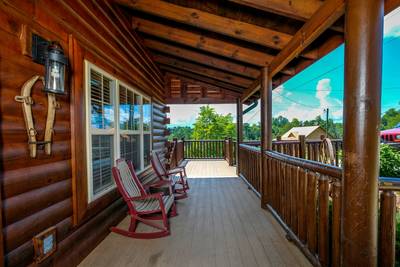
(38, 193)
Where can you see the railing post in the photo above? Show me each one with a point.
(239, 132)
(362, 110)
(266, 132)
(387, 229)
(302, 148)
(183, 148)
(230, 151)
(175, 152)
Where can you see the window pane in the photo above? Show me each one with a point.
(124, 108)
(102, 162)
(130, 149)
(136, 113)
(146, 149)
(102, 109)
(146, 115)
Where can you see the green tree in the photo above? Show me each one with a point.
(390, 119)
(181, 132)
(209, 125)
(251, 131)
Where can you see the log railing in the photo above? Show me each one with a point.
(249, 161)
(311, 150)
(305, 197)
(204, 149)
(230, 154)
(389, 188)
(299, 194)
(175, 153)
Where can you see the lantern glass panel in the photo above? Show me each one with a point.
(55, 73)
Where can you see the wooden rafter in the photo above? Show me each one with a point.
(197, 77)
(200, 83)
(319, 22)
(211, 61)
(202, 70)
(312, 29)
(296, 9)
(204, 20)
(185, 90)
(198, 41)
(254, 87)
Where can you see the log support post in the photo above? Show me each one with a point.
(362, 107)
(239, 132)
(266, 130)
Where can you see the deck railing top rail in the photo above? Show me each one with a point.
(314, 166)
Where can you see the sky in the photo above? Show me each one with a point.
(318, 87)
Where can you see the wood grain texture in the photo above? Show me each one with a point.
(51, 189)
(220, 224)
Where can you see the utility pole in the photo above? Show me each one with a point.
(327, 122)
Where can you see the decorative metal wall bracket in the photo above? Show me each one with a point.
(27, 102)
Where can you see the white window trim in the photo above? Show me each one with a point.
(116, 131)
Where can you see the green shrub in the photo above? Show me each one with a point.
(390, 161)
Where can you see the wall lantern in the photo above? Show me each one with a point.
(51, 55)
(55, 64)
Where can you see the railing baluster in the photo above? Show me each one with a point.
(311, 212)
(336, 213)
(387, 233)
(323, 220)
(302, 205)
(294, 200)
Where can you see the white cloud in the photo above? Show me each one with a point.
(277, 94)
(289, 93)
(392, 24)
(324, 89)
(300, 112)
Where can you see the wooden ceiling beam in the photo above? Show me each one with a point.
(199, 83)
(201, 70)
(201, 100)
(330, 12)
(211, 61)
(296, 9)
(300, 9)
(253, 88)
(204, 20)
(201, 78)
(320, 21)
(202, 42)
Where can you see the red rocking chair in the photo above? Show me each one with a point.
(143, 207)
(177, 175)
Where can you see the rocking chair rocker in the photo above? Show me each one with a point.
(143, 207)
(177, 176)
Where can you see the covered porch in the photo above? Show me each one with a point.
(220, 224)
(281, 205)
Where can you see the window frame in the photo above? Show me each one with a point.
(115, 131)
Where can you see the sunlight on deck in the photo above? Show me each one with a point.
(219, 224)
(210, 169)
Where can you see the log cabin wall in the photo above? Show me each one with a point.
(52, 190)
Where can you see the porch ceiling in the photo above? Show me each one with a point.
(216, 49)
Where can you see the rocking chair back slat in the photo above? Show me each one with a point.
(130, 184)
(157, 165)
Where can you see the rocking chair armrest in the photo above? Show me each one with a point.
(155, 195)
(160, 183)
(175, 171)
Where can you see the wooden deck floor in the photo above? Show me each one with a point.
(210, 169)
(220, 224)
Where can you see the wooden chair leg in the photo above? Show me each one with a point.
(163, 231)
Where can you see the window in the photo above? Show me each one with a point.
(119, 126)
